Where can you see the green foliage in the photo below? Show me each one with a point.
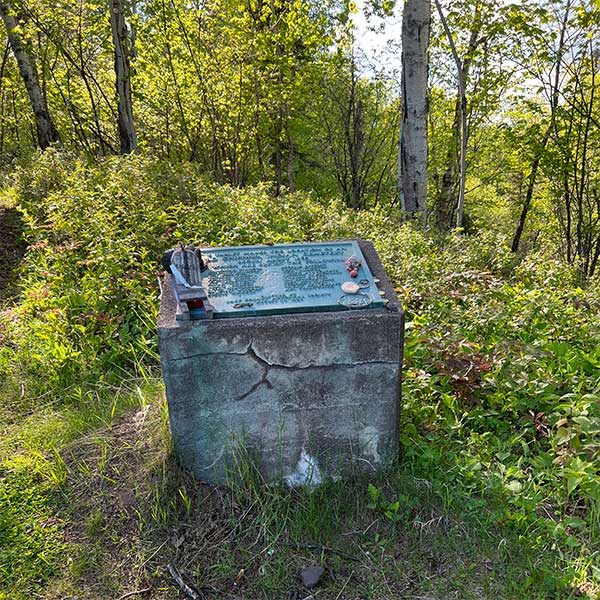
(501, 389)
(96, 235)
(30, 544)
(394, 510)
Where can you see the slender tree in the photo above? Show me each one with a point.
(46, 131)
(118, 26)
(553, 95)
(359, 132)
(412, 161)
(460, 130)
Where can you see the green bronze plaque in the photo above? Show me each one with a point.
(288, 278)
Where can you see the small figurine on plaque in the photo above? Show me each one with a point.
(185, 264)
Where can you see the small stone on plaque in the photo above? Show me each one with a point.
(382, 292)
(352, 265)
(349, 287)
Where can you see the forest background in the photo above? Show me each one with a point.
(129, 126)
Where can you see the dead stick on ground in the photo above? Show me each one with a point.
(134, 593)
(322, 548)
(344, 586)
(185, 588)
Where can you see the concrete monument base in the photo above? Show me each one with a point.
(306, 395)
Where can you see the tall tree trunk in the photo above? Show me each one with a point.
(354, 135)
(118, 26)
(46, 131)
(2, 96)
(290, 151)
(460, 128)
(529, 194)
(412, 162)
(281, 116)
(445, 203)
(277, 154)
(357, 154)
(464, 136)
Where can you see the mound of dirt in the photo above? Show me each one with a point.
(12, 248)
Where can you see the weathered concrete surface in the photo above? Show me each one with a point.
(323, 384)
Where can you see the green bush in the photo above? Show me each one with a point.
(502, 373)
(96, 234)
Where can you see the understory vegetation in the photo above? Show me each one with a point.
(496, 492)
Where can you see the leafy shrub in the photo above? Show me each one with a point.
(502, 373)
(96, 234)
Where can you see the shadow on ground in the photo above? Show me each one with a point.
(12, 249)
(128, 512)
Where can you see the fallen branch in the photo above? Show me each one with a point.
(344, 586)
(134, 593)
(322, 548)
(185, 588)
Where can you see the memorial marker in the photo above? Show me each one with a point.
(287, 278)
(292, 351)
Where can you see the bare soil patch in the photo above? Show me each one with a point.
(131, 512)
(12, 249)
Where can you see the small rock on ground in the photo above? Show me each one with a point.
(311, 576)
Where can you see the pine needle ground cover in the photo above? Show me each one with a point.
(497, 490)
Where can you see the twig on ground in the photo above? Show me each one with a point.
(323, 548)
(153, 555)
(134, 593)
(369, 527)
(344, 586)
(185, 588)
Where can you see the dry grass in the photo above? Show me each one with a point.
(129, 511)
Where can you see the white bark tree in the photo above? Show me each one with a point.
(412, 162)
(46, 131)
(461, 73)
(118, 27)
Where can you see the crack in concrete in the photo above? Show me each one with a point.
(263, 361)
(267, 366)
(264, 380)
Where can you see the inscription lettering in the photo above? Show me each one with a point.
(279, 278)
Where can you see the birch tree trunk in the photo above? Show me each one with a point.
(412, 162)
(118, 26)
(448, 205)
(461, 72)
(46, 131)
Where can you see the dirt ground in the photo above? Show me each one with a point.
(12, 248)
